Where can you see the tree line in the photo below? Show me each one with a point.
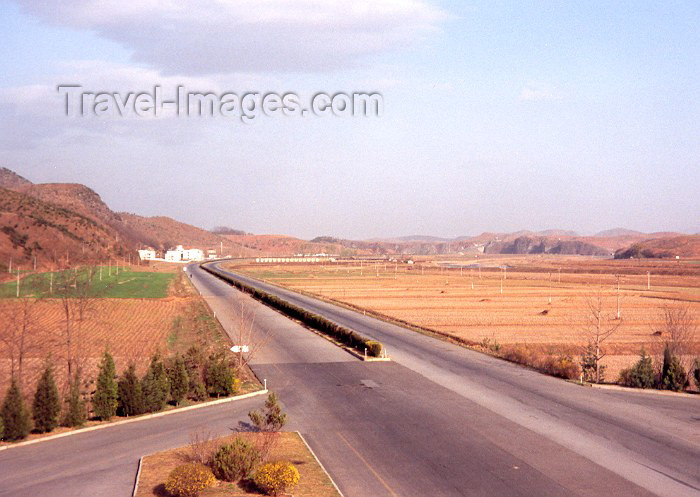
(192, 376)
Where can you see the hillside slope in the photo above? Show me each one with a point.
(682, 246)
(30, 227)
(163, 232)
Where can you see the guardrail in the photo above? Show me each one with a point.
(344, 335)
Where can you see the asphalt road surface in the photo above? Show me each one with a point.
(444, 420)
(438, 420)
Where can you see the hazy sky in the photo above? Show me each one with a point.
(498, 116)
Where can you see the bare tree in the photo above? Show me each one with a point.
(75, 293)
(600, 326)
(679, 331)
(20, 333)
(247, 333)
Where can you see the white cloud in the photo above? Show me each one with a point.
(226, 36)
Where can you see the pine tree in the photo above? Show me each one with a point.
(673, 377)
(47, 403)
(270, 419)
(104, 400)
(156, 387)
(15, 415)
(179, 380)
(76, 414)
(219, 376)
(130, 393)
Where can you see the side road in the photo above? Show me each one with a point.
(103, 462)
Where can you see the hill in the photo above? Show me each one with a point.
(617, 232)
(11, 180)
(57, 222)
(31, 227)
(162, 232)
(544, 245)
(663, 247)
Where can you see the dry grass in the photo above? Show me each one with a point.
(313, 480)
(442, 299)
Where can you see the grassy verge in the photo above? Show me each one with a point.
(313, 481)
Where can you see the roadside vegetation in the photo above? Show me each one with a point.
(77, 358)
(350, 338)
(257, 459)
(168, 382)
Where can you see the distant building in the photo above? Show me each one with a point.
(147, 254)
(180, 254)
(193, 254)
(292, 259)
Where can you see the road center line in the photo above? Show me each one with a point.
(376, 475)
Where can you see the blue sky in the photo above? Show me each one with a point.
(498, 116)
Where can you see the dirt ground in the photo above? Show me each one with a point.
(313, 481)
(533, 300)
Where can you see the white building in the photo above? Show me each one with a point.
(147, 254)
(174, 255)
(181, 254)
(193, 254)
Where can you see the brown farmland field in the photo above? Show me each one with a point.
(132, 329)
(438, 295)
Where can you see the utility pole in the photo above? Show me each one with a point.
(100, 273)
(51, 282)
(35, 264)
(9, 268)
(617, 276)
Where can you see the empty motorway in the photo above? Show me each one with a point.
(439, 420)
(444, 420)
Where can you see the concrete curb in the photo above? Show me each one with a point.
(320, 463)
(135, 420)
(138, 475)
(653, 391)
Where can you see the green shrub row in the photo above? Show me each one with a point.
(194, 376)
(319, 323)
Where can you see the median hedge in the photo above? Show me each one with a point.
(325, 326)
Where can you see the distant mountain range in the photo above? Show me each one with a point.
(65, 223)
